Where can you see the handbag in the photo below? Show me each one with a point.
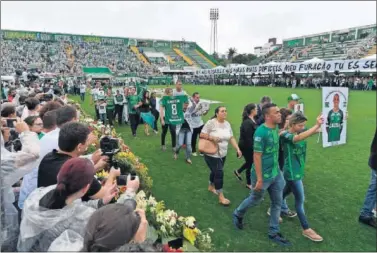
(207, 147)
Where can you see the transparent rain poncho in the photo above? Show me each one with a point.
(41, 226)
(72, 241)
(68, 241)
(14, 165)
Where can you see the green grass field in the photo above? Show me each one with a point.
(335, 183)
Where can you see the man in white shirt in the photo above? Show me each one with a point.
(48, 143)
(94, 99)
(178, 91)
(82, 91)
(196, 122)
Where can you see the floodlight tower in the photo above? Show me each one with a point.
(213, 16)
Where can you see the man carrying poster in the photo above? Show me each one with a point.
(335, 102)
(293, 100)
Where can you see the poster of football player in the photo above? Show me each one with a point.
(334, 111)
(299, 108)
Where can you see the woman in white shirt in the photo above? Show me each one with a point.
(219, 131)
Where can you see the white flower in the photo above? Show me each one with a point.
(211, 230)
(88, 120)
(172, 222)
(152, 201)
(140, 195)
(190, 222)
(163, 229)
(141, 204)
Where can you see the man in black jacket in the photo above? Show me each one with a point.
(366, 214)
(259, 119)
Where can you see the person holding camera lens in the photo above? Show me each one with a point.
(11, 136)
(73, 142)
(14, 165)
(50, 210)
(126, 231)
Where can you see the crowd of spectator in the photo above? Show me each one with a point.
(69, 57)
(49, 191)
(353, 82)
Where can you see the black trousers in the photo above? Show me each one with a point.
(97, 112)
(216, 166)
(156, 115)
(119, 111)
(249, 159)
(195, 134)
(173, 134)
(134, 120)
(110, 116)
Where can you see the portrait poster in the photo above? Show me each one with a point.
(334, 111)
(299, 108)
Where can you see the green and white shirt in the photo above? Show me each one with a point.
(266, 141)
(334, 125)
(132, 101)
(294, 156)
(173, 107)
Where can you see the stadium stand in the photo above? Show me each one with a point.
(67, 53)
(349, 43)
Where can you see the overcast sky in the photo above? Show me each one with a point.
(242, 25)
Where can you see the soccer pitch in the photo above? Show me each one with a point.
(336, 178)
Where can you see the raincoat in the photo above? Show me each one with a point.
(14, 165)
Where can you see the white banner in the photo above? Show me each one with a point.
(334, 111)
(362, 65)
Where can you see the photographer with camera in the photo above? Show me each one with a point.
(11, 136)
(73, 142)
(14, 165)
(118, 230)
(49, 211)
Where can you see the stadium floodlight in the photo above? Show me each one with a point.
(213, 17)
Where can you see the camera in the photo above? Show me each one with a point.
(109, 145)
(122, 179)
(46, 98)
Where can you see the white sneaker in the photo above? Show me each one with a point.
(269, 214)
(194, 154)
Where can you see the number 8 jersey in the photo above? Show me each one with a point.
(173, 107)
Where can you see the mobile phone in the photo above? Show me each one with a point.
(122, 180)
(10, 122)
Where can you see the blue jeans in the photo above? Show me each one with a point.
(297, 188)
(370, 198)
(184, 136)
(103, 118)
(82, 96)
(275, 190)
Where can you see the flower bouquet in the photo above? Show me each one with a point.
(176, 233)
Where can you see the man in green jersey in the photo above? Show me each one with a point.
(266, 175)
(334, 124)
(134, 102)
(294, 146)
(171, 114)
(293, 100)
(110, 106)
